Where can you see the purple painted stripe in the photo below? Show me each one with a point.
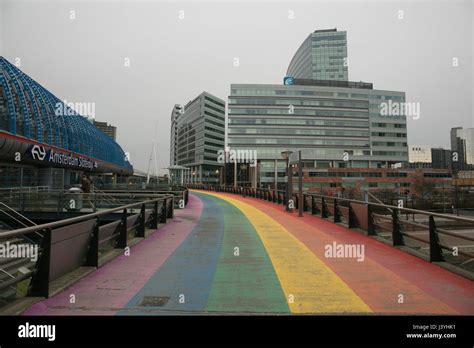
(107, 290)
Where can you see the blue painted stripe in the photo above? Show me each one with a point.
(189, 271)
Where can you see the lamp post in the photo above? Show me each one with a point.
(286, 156)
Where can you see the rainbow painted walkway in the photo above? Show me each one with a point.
(229, 254)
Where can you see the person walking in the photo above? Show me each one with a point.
(86, 189)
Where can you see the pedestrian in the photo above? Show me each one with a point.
(86, 189)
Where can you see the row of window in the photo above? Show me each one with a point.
(220, 131)
(327, 142)
(296, 92)
(437, 175)
(388, 143)
(214, 108)
(385, 134)
(298, 122)
(298, 112)
(328, 38)
(389, 125)
(214, 101)
(304, 102)
(298, 131)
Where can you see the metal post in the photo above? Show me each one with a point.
(352, 217)
(397, 237)
(155, 215)
(300, 185)
(93, 253)
(337, 216)
(436, 254)
(141, 226)
(122, 239)
(164, 212)
(171, 209)
(324, 208)
(40, 280)
(370, 221)
(313, 205)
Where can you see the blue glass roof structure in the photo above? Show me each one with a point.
(31, 111)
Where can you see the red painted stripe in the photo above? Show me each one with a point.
(386, 272)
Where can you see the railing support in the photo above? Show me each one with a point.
(397, 237)
(324, 208)
(370, 221)
(436, 254)
(164, 213)
(93, 253)
(122, 238)
(141, 223)
(171, 209)
(337, 213)
(313, 205)
(40, 280)
(155, 216)
(353, 223)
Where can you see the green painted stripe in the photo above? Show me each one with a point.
(248, 282)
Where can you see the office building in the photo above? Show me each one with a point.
(177, 110)
(425, 156)
(440, 158)
(200, 134)
(462, 145)
(419, 154)
(334, 127)
(106, 128)
(321, 56)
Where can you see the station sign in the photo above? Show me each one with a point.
(52, 157)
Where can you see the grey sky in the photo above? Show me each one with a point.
(173, 60)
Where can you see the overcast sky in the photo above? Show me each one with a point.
(172, 60)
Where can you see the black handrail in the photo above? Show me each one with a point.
(32, 229)
(331, 206)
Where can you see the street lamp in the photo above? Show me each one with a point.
(289, 175)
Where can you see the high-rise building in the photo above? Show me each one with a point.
(322, 56)
(335, 123)
(440, 158)
(199, 135)
(334, 127)
(108, 129)
(462, 145)
(177, 110)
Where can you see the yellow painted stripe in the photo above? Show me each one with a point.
(304, 278)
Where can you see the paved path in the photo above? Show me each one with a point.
(229, 254)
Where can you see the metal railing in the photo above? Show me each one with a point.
(67, 245)
(60, 201)
(434, 236)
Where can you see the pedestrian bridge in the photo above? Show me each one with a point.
(229, 254)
